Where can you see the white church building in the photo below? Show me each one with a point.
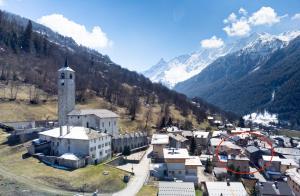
(99, 119)
(83, 136)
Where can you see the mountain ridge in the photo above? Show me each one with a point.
(252, 80)
(173, 72)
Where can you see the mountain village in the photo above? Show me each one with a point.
(84, 109)
(227, 161)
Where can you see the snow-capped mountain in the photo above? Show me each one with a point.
(184, 67)
(263, 75)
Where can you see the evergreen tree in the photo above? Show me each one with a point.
(241, 122)
(170, 122)
(231, 167)
(162, 122)
(193, 146)
(237, 175)
(27, 37)
(126, 151)
(208, 166)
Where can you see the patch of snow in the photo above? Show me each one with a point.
(255, 69)
(273, 96)
(264, 118)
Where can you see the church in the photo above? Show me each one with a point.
(83, 136)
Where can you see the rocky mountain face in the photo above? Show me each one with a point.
(263, 75)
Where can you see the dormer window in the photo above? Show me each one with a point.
(71, 76)
(62, 75)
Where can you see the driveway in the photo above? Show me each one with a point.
(136, 182)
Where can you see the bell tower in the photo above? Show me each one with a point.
(66, 93)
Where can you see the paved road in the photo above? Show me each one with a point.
(136, 182)
(258, 175)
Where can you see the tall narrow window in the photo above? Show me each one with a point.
(62, 75)
(71, 76)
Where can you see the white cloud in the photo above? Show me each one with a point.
(264, 16)
(239, 28)
(213, 42)
(242, 11)
(95, 39)
(296, 16)
(231, 18)
(2, 2)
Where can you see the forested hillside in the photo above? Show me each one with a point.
(244, 83)
(31, 56)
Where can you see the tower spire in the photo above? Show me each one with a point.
(66, 62)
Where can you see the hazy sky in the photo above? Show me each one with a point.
(137, 33)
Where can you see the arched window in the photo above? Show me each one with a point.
(71, 76)
(62, 75)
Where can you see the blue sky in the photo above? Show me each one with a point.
(137, 33)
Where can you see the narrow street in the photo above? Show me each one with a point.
(136, 182)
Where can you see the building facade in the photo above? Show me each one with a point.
(132, 140)
(98, 119)
(294, 180)
(84, 143)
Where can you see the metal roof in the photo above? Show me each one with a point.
(176, 189)
(222, 188)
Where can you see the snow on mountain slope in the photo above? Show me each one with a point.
(265, 118)
(184, 67)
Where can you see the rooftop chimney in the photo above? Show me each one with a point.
(60, 130)
(228, 182)
(68, 129)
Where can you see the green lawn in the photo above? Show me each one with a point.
(147, 190)
(199, 193)
(90, 177)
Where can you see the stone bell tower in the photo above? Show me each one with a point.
(66, 93)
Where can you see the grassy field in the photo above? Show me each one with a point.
(147, 190)
(39, 175)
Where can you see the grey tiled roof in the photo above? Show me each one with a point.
(101, 113)
(269, 188)
(252, 149)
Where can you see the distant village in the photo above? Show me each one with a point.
(230, 161)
